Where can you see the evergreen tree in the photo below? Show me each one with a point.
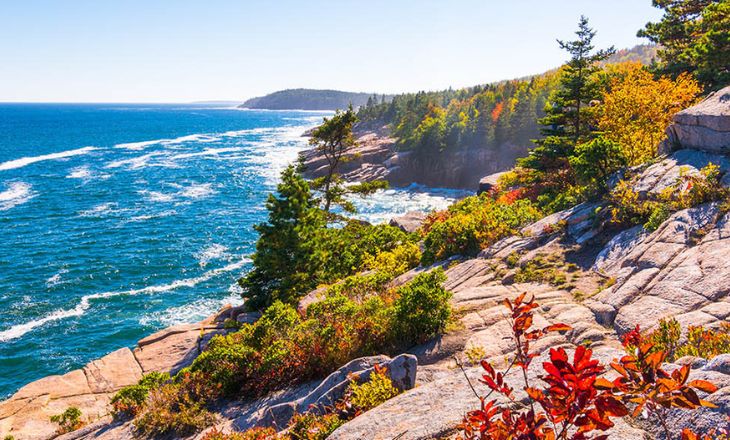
(569, 113)
(282, 250)
(333, 139)
(693, 36)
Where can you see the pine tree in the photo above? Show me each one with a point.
(569, 113)
(694, 37)
(333, 139)
(282, 249)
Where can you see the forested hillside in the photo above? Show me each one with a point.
(310, 99)
(484, 116)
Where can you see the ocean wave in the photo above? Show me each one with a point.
(206, 152)
(135, 162)
(84, 173)
(383, 205)
(210, 253)
(19, 330)
(156, 196)
(100, 210)
(191, 312)
(204, 138)
(16, 194)
(19, 163)
(56, 279)
(195, 190)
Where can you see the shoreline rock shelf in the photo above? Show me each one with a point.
(26, 414)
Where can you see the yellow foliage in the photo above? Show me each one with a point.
(637, 108)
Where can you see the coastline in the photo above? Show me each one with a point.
(26, 414)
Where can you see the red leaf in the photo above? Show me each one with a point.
(558, 328)
(703, 385)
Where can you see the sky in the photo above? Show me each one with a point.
(185, 50)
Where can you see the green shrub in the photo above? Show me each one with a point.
(377, 390)
(129, 400)
(179, 407)
(313, 427)
(700, 341)
(69, 420)
(473, 224)
(422, 309)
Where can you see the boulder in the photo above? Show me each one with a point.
(277, 411)
(490, 182)
(409, 222)
(705, 126)
(679, 270)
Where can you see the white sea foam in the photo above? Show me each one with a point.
(210, 253)
(135, 162)
(100, 210)
(206, 152)
(19, 330)
(156, 196)
(389, 203)
(19, 163)
(195, 190)
(179, 140)
(56, 279)
(191, 312)
(16, 193)
(145, 217)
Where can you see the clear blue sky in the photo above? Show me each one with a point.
(180, 50)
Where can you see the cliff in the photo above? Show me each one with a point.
(376, 157)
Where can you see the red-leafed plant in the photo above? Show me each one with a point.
(576, 402)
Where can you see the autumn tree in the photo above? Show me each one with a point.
(569, 118)
(333, 139)
(693, 37)
(637, 108)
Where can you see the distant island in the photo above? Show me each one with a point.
(311, 99)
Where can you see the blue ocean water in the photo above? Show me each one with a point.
(118, 220)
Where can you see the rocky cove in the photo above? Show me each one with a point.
(621, 279)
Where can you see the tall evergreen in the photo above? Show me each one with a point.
(693, 36)
(282, 249)
(569, 113)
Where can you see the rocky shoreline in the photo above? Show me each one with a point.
(377, 157)
(627, 277)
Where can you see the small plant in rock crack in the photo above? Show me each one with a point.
(576, 402)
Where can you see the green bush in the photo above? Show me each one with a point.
(179, 407)
(376, 391)
(69, 420)
(473, 224)
(309, 426)
(129, 400)
(422, 309)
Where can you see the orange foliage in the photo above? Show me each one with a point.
(497, 110)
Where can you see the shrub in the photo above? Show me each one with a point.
(377, 390)
(473, 224)
(178, 407)
(689, 190)
(313, 427)
(129, 400)
(576, 400)
(594, 161)
(250, 434)
(69, 420)
(706, 342)
(422, 309)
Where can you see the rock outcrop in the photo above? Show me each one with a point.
(26, 414)
(376, 157)
(410, 221)
(705, 126)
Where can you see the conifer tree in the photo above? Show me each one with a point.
(333, 139)
(694, 37)
(569, 118)
(282, 249)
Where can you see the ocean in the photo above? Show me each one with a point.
(118, 220)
